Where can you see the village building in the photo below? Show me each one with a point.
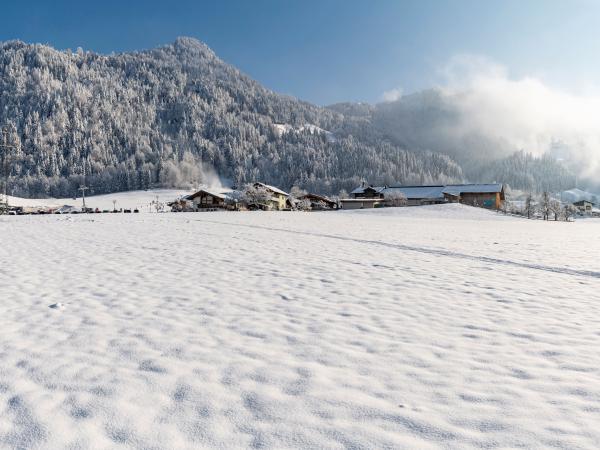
(483, 195)
(279, 198)
(361, 203)
(584, 207)
(209, 199)
(319, 202)
(367, 192)
(418, 195)
(488, 196)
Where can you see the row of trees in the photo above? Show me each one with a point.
(544, 206)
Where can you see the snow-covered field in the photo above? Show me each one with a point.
(431, 327)
(126, 200)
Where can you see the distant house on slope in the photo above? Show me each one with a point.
(584, 207)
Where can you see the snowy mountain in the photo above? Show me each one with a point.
(175, 115)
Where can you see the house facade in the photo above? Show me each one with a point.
(584, 207)
(279, 198)
(361, 203)
(488, 196)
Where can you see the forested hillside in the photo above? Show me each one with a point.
(173, 116)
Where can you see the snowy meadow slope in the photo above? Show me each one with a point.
(431, 327)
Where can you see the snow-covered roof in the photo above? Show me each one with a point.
(457, 189)
(272, 188)
(433, 192)
(67, 208)
(361, 190)
(583, 202)
(417, 192)
(222, 194)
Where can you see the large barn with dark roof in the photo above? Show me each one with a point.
(484, 195)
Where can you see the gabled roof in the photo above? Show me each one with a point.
(417, 192)
(222, 194)
(317, 197)
(362, 189)
(272, 188)
(582, 203)
(434, 191)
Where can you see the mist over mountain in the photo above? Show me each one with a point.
(179, 116)
(437, 121)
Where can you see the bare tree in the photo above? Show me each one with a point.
(304, 205)
(395, 199)
(297, 192)
(256, 195)
(545, 204)
(555, 208)
(569, 211)
(529, 206)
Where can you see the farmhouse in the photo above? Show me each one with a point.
(209, 199)
(319, 202)
(368, 192)
(279, 198)
(488, 196)
(483, 195)
(584, 207)
(418, 195)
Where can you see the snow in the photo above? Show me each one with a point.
(283, 128)
(125, 200)
(431, 327)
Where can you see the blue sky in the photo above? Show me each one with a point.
(332, 50)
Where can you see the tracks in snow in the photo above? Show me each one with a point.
(424, 250)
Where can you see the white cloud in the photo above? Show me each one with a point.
(392, 95)
(525, 112)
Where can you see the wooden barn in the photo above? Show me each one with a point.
(488, 196)
(319, 202)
